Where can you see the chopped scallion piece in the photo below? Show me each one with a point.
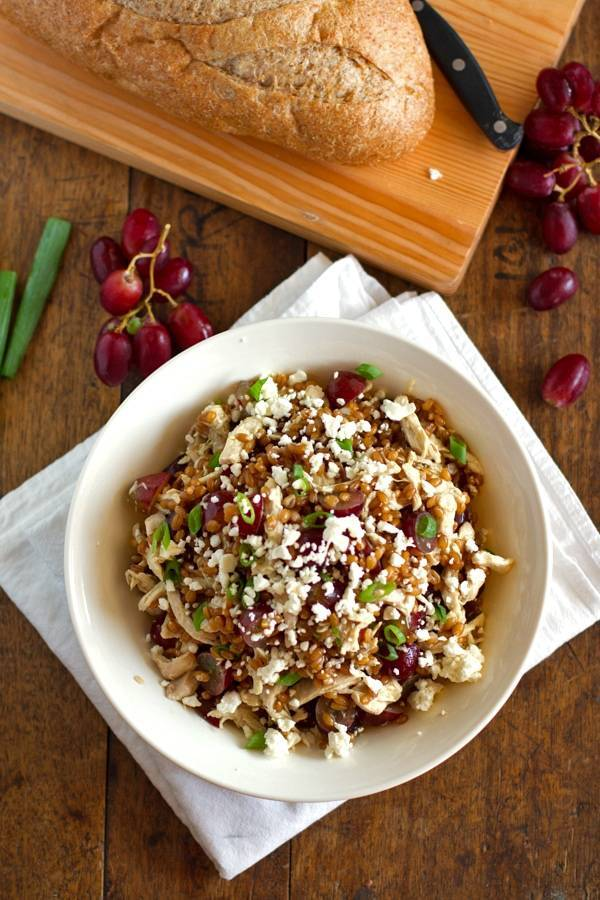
(391, 652)
(369, 371)
(289, 678)
(256, 741)
(234, 589)
(458, 449)
(299, 475)
(194, 519)
(198, 616)
(247, 511)
(8, 286)
(215, 461)
(394, 635)
(337, 635)
(255, 389)
(161, 536)
(246, 555)
(441, 613)
(376, 591)
(426, 526)
(173, 571)
(345, 444)
(316, 519)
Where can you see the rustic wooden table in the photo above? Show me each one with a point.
(514, 814)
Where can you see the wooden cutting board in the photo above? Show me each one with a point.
(392, 215)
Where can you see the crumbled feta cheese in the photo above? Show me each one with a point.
(280, 476)
(422, 699)
(339, 743)
(398, 409)
(298, 377)
(228, 703)
(275, 743)
(459, 663)
(338, 531)
(320, 612)
(269, 673)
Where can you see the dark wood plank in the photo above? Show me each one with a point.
(237, 261)
(52, 743)
(515, 813)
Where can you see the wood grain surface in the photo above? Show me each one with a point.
(392, 215)
(514, 815)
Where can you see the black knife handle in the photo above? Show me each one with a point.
(466, 77)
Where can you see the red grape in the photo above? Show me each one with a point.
(559, 227)
(554, 90)
(247, 528)
(588, 208)
(552, 288)
(147, 487)
(350, 505)
(188, 325)
(344, 387)
(573, 178)
(566, 380)
(112, 357)
(141, 230)
(549, 129)
(152, 347)
(329, 715)
(581, 83)
(219, 677)
(249, 625)
(589, 148)
(105, 257)
(530, 179)
(326, 592)
(143, 265)
(406, 664)
(175, 276)
(121, 291)
(214, 507)
(392, 713)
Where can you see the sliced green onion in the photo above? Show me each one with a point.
(458, 449)
(376, 591)
(426, 526)
(391, 652)
(247, 556)
(394, 635)
(8, 286)
(40, 282)
(235, 589)
(316, 519)
(194, 519)
(298, 474)
(345, 444)
(161, 535)
(369, 371)
(289, 678)
(441, 613)
(173, 571)
(326, 576)
(198, 616)
(247, 511)
(215, 461)
(337, 635)
(134, 325)
(255, 389)
(256, 741)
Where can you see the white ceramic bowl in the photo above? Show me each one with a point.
(144, 435)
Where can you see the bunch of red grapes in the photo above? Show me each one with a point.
(140, 284)
(563, 146)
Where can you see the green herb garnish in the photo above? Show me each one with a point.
(255, 389)
(394, 635)
(299, 475)
(247, 556)
(256, 741)
(316, 519)
(198, 616)
(247, 511)
(194, 519)
(345, 444)
(161, 536)
(426, 526)
(369, 371)
(289, 678)
(391, 652)
(376, 591)
(215, 461)
(337, 635)
(173, 571)
(458, 449)
(441, 613)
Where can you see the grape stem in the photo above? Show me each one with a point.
(146, 302)
(590, 127)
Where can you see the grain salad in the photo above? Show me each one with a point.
(311, 562)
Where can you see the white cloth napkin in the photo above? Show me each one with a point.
(236, 831)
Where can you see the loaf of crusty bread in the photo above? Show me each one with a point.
(341, 80)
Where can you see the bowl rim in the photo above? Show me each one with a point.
(292, 795)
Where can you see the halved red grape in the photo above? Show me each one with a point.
(550, 129)
(155, 635)
(327, 593)
(143, 265)
(214, 507)
(328, 715)
(147, 488)
(141, 230)
(409, 527)
(566, 381)
(189, 325)
(406, 664)
(581, 84)
(417, 618)
(219, 677)
(552, 288)
(152, 347)
(249, 625)
(175, 276)
(255, 527)
(553, 89)
(559, 227)
(121, 291)
(588, 208)
(395, 712)
(105, 257)
(112, 357)
(206, 708)
(310, 541)
(344, 387)
(350, 503)
(530, 179)
(573, 178)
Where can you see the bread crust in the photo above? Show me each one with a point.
(350, 83)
